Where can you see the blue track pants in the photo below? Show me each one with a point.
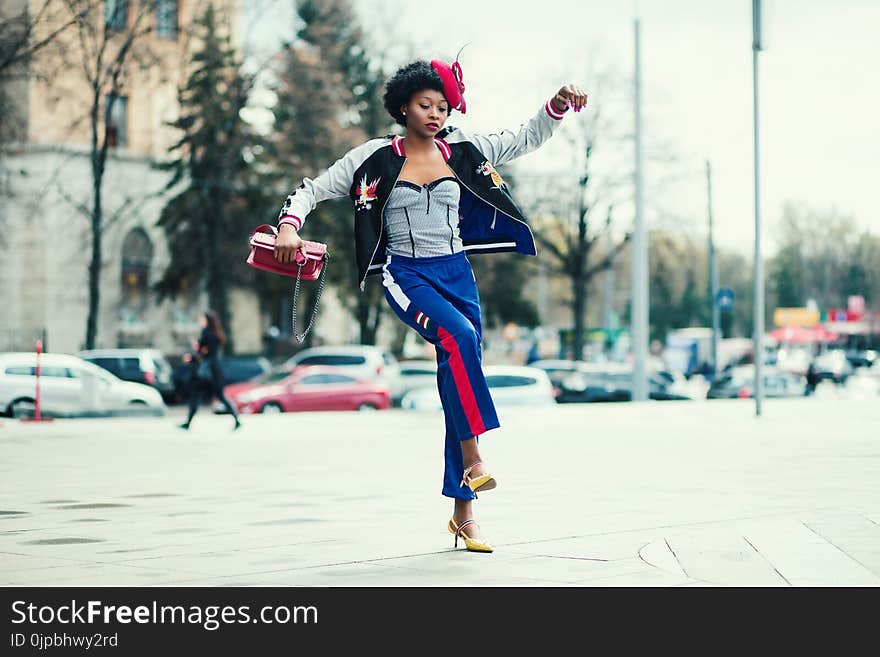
(437, 296)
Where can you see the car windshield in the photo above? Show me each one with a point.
(100, 372)
(316, 379)
(508, 381)
(417, 372)
(333, 359)
(162, 365)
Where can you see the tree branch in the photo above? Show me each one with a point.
(608, 260)
(82, 207)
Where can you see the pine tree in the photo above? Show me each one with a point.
(206, 223)
(329, 100)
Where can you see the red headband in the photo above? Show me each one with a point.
(453, 84)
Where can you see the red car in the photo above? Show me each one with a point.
(308, 388)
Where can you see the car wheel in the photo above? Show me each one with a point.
(271, 409)
(20, 408)
(366, 406)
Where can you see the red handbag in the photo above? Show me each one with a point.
(262, 255)
(311, 266)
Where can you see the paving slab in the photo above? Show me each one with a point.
(652, 494)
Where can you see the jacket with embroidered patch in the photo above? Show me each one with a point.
(489, 219)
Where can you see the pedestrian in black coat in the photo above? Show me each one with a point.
(812, 379)
(206, 375)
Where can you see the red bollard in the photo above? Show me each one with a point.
(37, 417)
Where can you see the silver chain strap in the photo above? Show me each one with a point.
(300, 338)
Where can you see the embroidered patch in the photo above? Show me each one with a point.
(487, 169)
(422, 320)
(365, 193)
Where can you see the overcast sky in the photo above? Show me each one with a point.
(819, 91)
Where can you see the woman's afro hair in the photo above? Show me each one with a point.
(405, 82)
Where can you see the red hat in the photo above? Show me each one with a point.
(453, 86)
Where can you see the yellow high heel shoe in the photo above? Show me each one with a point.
(481, 483)
(472, 544)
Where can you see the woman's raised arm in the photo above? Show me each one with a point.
(507, 145)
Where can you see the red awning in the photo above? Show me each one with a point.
(800, 334)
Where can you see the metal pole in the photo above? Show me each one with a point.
(713, 274)
(37, 396)
(608, 320)
(639, 314)
(759, 265)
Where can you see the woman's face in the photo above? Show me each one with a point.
(426, 113)
(203, 321)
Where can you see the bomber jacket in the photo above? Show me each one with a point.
(489, 219)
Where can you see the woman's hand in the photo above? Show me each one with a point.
(187, 358)
(288, 243)
(572, 96)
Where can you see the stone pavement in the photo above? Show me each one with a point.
(660, 493)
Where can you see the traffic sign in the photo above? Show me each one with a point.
(724, 299)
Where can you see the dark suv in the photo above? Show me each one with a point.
(147, 366)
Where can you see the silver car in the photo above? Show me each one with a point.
(509, 386)
(414, 374)
(70, 387)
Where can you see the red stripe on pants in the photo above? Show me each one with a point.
(462, 382)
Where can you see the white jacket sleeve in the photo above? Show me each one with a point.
(335, 182)
(508, 145)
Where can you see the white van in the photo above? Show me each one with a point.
(70, 387)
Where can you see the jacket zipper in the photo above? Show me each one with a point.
(451, 232)
(381, 226)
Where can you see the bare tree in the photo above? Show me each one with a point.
(22, 35)
(581, 217)
(108, 43)
(25, 32)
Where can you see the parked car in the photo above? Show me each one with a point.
(307, 388)
(861, 357)
(556, 369)
(740, 382)
(70, 387)
(236, 369)
(362, 361)
(833, 364)
(612, 382)
(794, 359)
(414, 374)
(146, 366)
(508, 385)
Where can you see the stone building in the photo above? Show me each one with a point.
(46, 190)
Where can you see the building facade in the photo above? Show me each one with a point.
(46, 186)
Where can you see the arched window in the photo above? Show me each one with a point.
(137, 253)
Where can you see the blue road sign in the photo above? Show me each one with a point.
(724, 299)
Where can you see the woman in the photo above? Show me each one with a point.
(206, 377)
(421, 202)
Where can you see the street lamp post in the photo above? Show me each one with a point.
(639, 313)
(713, 274)
(758, 319)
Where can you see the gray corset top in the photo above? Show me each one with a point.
(422, 220)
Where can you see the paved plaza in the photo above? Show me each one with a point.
(652, 494)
